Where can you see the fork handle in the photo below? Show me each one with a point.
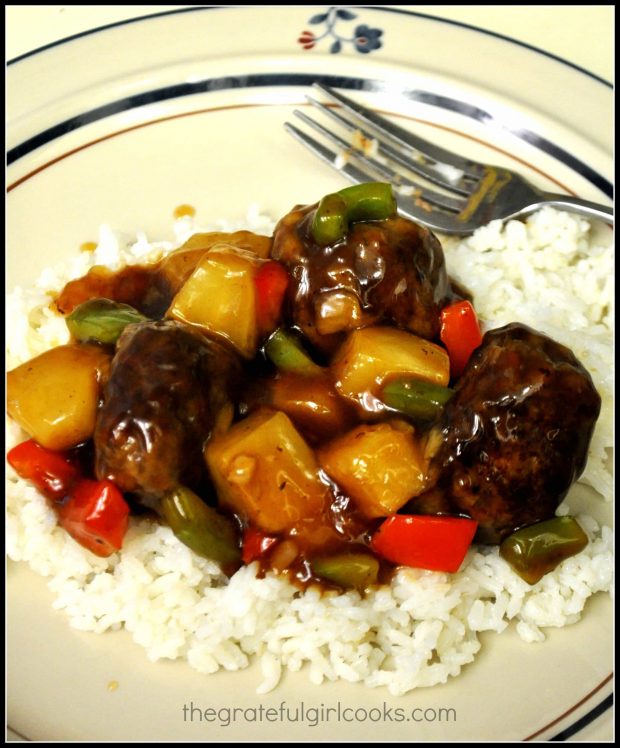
(577, 205)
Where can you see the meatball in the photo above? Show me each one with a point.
(167, 386)
(382, 272)
(514, 436)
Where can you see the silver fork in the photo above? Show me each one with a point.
(470, 194)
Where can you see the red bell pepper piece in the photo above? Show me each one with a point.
(432, 542)
(255, 544)
(96, 515)
(51, 472)
(460, 333)
(271, 282)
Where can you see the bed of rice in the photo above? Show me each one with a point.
(554, 273)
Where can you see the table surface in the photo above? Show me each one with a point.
(580, 34)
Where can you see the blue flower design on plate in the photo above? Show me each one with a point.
(365, 39)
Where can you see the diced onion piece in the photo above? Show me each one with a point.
(336, 311)
(284, 555)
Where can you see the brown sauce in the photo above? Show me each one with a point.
(340, 529)
(468, 461)
(140, 286)
(382, 272)
(184, 210)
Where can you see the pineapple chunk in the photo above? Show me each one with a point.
(380, 467)
(179, 265)
(54, 397)
(312, 403)
(256, 243)
(220, 297)
(264, 471)
(371, 355)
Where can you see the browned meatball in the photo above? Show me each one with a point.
(383, 272)
(515, 435)
(166, 388)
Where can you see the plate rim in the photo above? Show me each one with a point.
(297, 75)
(301, 80)
(607, 702)
(381, 8)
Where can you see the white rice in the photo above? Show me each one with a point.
(553, 273)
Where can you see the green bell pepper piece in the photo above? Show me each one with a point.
(371, 201)
(285, 351)
(537, 549)
(200, 527)
(349, 570)
(101, 320)
(330, 220)
(415, 398)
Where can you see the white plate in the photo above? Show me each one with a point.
(123, 124)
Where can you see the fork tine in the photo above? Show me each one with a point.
(446, 176)
(350, 171)
(409, 207)
(403, 138)
(384, 171)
